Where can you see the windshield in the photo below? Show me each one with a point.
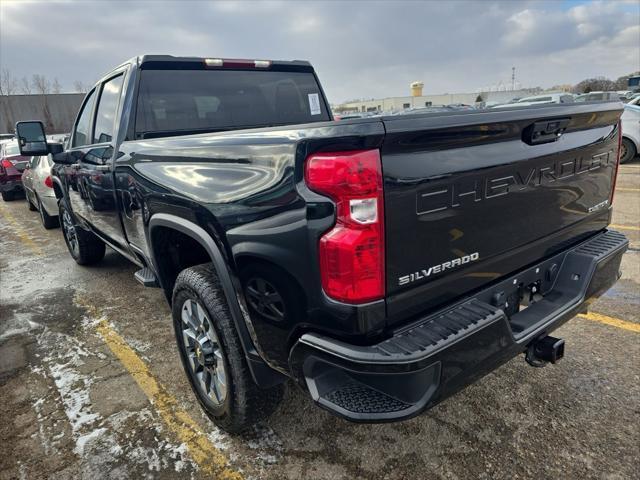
(174, 102)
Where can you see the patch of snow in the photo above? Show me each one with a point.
(181, 451)
(104, 442)
(74, 392)
(19, 324)
(82, 440)
(138, 345)
(267, 443)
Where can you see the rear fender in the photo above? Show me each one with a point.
(263, 373)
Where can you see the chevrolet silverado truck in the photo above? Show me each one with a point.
(382, 263)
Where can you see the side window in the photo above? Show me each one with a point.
(107, 105)
(81, 132)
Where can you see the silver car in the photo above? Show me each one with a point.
(38, 185)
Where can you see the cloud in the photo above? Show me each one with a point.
(359, 49)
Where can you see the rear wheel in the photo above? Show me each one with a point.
(48, 221)
(84, 246)
(212, 355)
(8, 196)
(627, 150)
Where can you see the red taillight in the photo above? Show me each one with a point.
(615, 168)
(6, 163)
(352, 252)
(48, 182)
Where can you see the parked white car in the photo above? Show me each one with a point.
(539, 100)
(38, 186)
(630, 131)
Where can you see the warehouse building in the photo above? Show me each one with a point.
(418, 100)
(56, 110)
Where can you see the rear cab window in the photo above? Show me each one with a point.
(180, 102)
(106, 112)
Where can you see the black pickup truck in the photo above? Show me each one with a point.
(382, 263)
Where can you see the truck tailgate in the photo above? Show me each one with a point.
(471, 197)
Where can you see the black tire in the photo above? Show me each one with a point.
(8, 196)
(48, 221)
(244, 403)
(628, 150)
(87, 249)
(32, 207)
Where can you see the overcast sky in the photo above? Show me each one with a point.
(359, 49)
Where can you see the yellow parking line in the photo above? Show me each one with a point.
(19, 231)
(614, 322)
(625, 227)
(622, 189)
(210, 459)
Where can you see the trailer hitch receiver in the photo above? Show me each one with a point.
(545, 350)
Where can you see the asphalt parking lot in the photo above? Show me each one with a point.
(91, 387)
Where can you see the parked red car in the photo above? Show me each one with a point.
(12, 164)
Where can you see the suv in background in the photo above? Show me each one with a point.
(12, 164)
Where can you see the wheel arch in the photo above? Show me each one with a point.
(57, 187)
(263, 374)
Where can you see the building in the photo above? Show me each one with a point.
(56, 110)
(396, 104)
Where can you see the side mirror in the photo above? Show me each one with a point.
(31, 139)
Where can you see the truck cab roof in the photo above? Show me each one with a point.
(171, 62)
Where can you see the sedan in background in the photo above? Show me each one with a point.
(38, 187)
(12, 164)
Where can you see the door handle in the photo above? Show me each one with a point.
(103, 168)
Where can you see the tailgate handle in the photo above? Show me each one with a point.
(545, 131)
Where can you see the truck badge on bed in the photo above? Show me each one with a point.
(441, 267)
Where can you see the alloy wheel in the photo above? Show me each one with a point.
(69, 232)
(204, 352)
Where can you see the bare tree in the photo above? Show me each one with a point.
(594, 85)
(55, 86)
(40, 84)
(8, 86)
(8, 83)
(25, 86)
(79, 87)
